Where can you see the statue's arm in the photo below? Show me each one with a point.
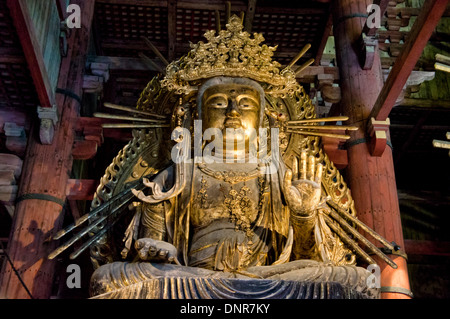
(153, 221)
(302, 191)
(152, 243)
(304, 237)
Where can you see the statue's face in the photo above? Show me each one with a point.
(234, 106)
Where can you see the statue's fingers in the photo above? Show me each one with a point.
(152, 251)
(319, 172)
(163, 253)
(311, 168)
(295, 168)
(288, 179)
(303, 161)
(139, 244)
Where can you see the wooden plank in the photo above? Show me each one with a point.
(7, 177)
(309, 75)
(8, 193)
(405, 63)
(32, 51)
(427, 248)
(424, 104)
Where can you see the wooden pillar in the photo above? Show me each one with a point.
(371, 179)
(46, 170)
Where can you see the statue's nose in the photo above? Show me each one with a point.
(233, 110)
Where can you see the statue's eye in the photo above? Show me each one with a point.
(246, 103)
(218, 102)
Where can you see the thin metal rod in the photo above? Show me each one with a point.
(131, 110)
(319, 120)
(348, 240)
(155, 50)
(325, 127)
(299, 55)
(126, 118)
(363, 226)
(304, 66)
(152, 64)
(119, 197)
(126, 125)
(94, 238)
(228, 11)
(344, 137)
(363, 239)
(87, 229)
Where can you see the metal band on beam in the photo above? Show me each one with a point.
(397, 290)
(44, 197)
(351, 16)
(362, 141)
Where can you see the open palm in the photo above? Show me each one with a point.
(303, 185)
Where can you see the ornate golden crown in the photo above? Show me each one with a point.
(232, 53)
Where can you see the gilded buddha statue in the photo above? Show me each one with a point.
(242, 202)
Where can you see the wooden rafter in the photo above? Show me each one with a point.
(249, 15)
(32, 51)
(421, 31)
(171, 29)
(323, 42)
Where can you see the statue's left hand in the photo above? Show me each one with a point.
(302, 186)
(150, 249)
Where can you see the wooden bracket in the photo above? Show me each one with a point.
(330, 93)
(49, 119)
(92, 137)
(367, 48)
(378, 132)
(94, 82)
(16, 138)
(336, 154)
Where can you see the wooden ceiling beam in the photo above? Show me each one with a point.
(323, 42)
(146, 3)
(427, 247)
(171, 29)
(212, 5)
(309, 75)
(249, 15)
(32, 51)
(424, 104)
(421, 31)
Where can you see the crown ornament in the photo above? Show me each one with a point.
(234, 53)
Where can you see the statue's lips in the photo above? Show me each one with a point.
(232, 123)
